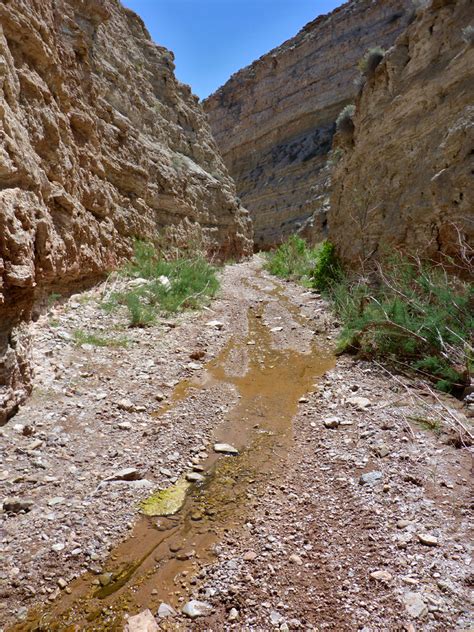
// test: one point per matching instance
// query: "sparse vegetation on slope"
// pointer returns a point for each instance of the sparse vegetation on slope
(158, 284)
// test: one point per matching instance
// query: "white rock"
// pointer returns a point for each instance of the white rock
(143, 622)
(165, 611)
(233, 615)
(194, 609)
(165, 282)
(194, 477)
(359, 402)
(427, 540)
(216, 324)
(225, 448)
(414, 605)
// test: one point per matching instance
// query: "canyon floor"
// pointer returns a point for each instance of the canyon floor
(347, 507)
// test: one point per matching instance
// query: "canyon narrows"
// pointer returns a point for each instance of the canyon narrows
(197, 436)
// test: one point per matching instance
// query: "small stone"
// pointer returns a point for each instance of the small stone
(126, 404)
(105, 579)
(216, 324)
(165, 611)
(303, 400)
(381, 576)
(57, 500)
(276, 329)
(59, 546)
(233, 615)
(370, 478)
(359, 402)
(62, 583)
(194, 609)
(249, 556)
(296, 559)
(15, 505)
(127, 474)
(403, 524)
(225, 448)
(427, 540)
(331, 422)
(194, 366)
(194, 477)
(275, 618)
(382, 450)
(143, 622)
(414, 605)
(125, 425)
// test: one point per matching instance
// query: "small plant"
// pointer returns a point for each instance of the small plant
(370, 61)
(468, 35)
(294, 260)
(345, 121)
(427, 424)
(82, 337)
(53, 298)
(168, 285)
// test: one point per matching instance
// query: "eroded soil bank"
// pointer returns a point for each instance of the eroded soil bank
(286, 535)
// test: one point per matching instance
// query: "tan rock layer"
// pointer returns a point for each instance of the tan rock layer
(100, 144)
(407, 181)
(274, 120)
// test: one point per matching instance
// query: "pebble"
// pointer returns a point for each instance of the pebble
(382, 450)
(249, 556)
(225, 448)
(143, 622)
(127, 474)
(233, 615)
(427, 540)
(216, 324)
(296, 559)
(165, 611)
(361, 403)
(331, 422)
(194, 477)
(370, 478)
(415, 605)
(194, 609)
(382, 576)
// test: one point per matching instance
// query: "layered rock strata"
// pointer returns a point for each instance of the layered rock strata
(406, 178)
(274, 120)
(100, 145)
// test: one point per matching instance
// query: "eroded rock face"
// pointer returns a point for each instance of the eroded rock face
(274, 120)
(99, 145)
(407, 178)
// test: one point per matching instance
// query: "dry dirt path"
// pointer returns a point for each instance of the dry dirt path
(342, 511)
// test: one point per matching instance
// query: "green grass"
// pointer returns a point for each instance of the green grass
(82, 337)
(414, 314)
(171, 285)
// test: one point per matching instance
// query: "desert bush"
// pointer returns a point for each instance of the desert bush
(327, 271)
(371, 60)
(468, 35)
(344, 122)
(293, 259)
(97, 340)
(168, 286)
(413, 314)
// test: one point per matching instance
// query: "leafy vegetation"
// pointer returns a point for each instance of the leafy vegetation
(162, 285)
(410, 313)
(345, 122)
(294, 260)
(82, 337)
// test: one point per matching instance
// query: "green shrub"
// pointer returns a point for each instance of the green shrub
(413, 314)
(370, 61)
(345, 122)
(168, 285)
(327, 270)
(293, 259)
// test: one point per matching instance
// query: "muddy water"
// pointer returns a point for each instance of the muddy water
(162, 557)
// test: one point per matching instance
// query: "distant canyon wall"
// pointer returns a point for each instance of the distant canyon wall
(274, 121)
(99, 145)
(406, 178)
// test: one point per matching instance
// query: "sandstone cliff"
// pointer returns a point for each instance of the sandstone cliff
(99, 145)
(274, 120)
(407, 179)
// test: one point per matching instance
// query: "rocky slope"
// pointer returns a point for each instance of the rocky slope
(99, 145)
(406, 178)
(274, 120)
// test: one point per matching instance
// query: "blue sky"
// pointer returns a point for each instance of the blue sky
(212, 39)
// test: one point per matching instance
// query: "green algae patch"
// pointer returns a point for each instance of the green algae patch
(166, 502)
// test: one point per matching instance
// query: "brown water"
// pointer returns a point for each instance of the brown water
(159, 560)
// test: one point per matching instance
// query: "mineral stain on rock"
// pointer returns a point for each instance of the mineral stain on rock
(166, 502)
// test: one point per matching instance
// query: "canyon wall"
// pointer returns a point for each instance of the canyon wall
(406, 178)
(100, 144)
(274, 121)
